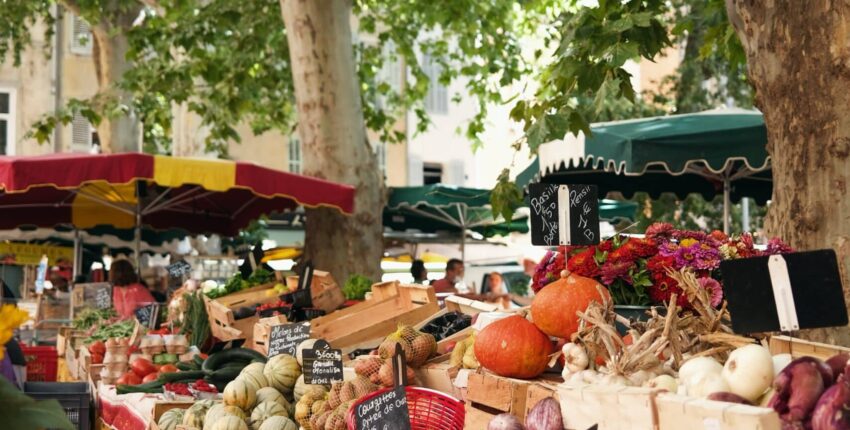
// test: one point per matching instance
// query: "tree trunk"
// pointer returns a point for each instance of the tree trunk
(333, 137)
(797, 58)
(121, 133)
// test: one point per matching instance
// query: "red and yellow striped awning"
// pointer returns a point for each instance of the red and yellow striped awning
(198, 195)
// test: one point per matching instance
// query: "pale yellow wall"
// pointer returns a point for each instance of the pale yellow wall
(652, 73)
(268, 149)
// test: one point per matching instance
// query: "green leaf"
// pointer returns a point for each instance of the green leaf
(506, 197)
(622, 52)
(22, 412)
(642, 19)
(623, 24)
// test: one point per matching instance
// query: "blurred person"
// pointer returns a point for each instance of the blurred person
(420, 274)
(14, 364)
(128, 293)
(454, 276)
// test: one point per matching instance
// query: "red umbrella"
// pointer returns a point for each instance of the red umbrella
(134, 190)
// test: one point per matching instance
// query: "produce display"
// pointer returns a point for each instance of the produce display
(89, 317)
(106, 329)
(447, 325)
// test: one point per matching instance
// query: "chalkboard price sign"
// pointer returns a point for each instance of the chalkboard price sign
(178, 269)
(387, 410)
(564, 214)
(103, 297)
(284, 338)
(322, 365)
(96, 295)
(148, 316)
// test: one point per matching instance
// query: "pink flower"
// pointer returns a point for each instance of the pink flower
(612, 270)
(777, 246)
(714, 289)
(659, 231)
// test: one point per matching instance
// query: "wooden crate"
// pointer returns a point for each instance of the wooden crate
(609, 408)
(325, 292)
(679, 412)
(161, 407)
(800, 348)
(223, 323)
(489, 392)
(262, 331)
(367, 323)
(538, 391)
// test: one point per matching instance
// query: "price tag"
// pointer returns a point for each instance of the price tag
(148, 315)
(564, 214)
(284, 338)
(179, 269)
(322, 365)
(96, 295)
(103, 297)
(387, 410)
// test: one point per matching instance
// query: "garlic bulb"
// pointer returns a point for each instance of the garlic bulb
(575, 357)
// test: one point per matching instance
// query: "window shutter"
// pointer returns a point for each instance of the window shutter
(80, 134)
(81, 38)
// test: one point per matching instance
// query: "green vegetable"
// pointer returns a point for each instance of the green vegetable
(226, 374)
(165, 359)
(186, 365)
(150, 387)
(260, 276)
(192, 375)
(195, 320)
(120, 329)
(88, 317)
(356, 287)
(219, 359)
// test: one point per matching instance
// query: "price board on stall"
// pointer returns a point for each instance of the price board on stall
(97, 295)
(179, 269)
(322, 365)
(148, 316)
(388, 410)
(564, 214)
(284, 338)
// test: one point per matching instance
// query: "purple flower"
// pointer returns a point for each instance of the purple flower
(777, 246)
(612, 270)
(714, 289)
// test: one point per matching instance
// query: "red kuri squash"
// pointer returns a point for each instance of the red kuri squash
(554, 308)
(513, 347)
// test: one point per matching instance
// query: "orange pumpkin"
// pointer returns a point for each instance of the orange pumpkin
(554, 308)
(513, 347)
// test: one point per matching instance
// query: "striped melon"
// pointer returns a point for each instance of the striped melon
(266, 410)
(241, 394)
(282, 371)
(278, 423)
(220, 410)
(194, 416)
(230, 422)
(255, 378)
(171, 418)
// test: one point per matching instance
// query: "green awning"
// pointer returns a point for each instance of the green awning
(433, 208)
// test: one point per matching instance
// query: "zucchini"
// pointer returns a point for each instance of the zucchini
(217, 360)
(150, 387)
(225, 375)
(186, 366)
(198, 361)
(193, 375)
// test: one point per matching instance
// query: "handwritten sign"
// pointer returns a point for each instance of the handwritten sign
(786, 292)
(178, 269)
(387, 410)
(148, 315)
(564, 214)
(284, 338)
(96, 295)
(322, 365)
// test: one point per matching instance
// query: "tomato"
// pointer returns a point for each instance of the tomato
(168, 368)
(142, 367)
(97, 359)
(97, 348)
(129, 378)
(150, 378)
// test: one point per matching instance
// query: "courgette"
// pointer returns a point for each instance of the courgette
(226, 374)
(187, 366)
(193, 375)
(149, 387)
(217, 360)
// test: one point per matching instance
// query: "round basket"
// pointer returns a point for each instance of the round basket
(429, 409)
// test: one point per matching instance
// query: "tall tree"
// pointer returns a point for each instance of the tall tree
(796, 62)
(232, 62)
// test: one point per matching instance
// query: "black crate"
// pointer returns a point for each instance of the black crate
(74, 397)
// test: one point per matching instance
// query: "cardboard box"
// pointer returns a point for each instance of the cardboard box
(438, 374)
(608, 407)
(800, 348)
(679, 412)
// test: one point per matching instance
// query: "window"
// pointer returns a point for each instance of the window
(81, 38)
(7, 122)
(294, 155)
(432, 173)
(81, 134)
(437, 100)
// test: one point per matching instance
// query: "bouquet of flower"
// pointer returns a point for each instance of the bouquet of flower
(635, 270)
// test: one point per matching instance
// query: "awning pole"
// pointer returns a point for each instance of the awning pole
(78, 254)
(727, 191)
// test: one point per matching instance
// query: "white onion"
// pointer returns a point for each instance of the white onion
(749, 371)
(696, 366)
(663, 382)
(703, 384)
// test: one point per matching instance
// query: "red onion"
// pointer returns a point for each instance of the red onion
(722, 396)
(832, 411)
(838, 363)
(798, 388)
(545, 415)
